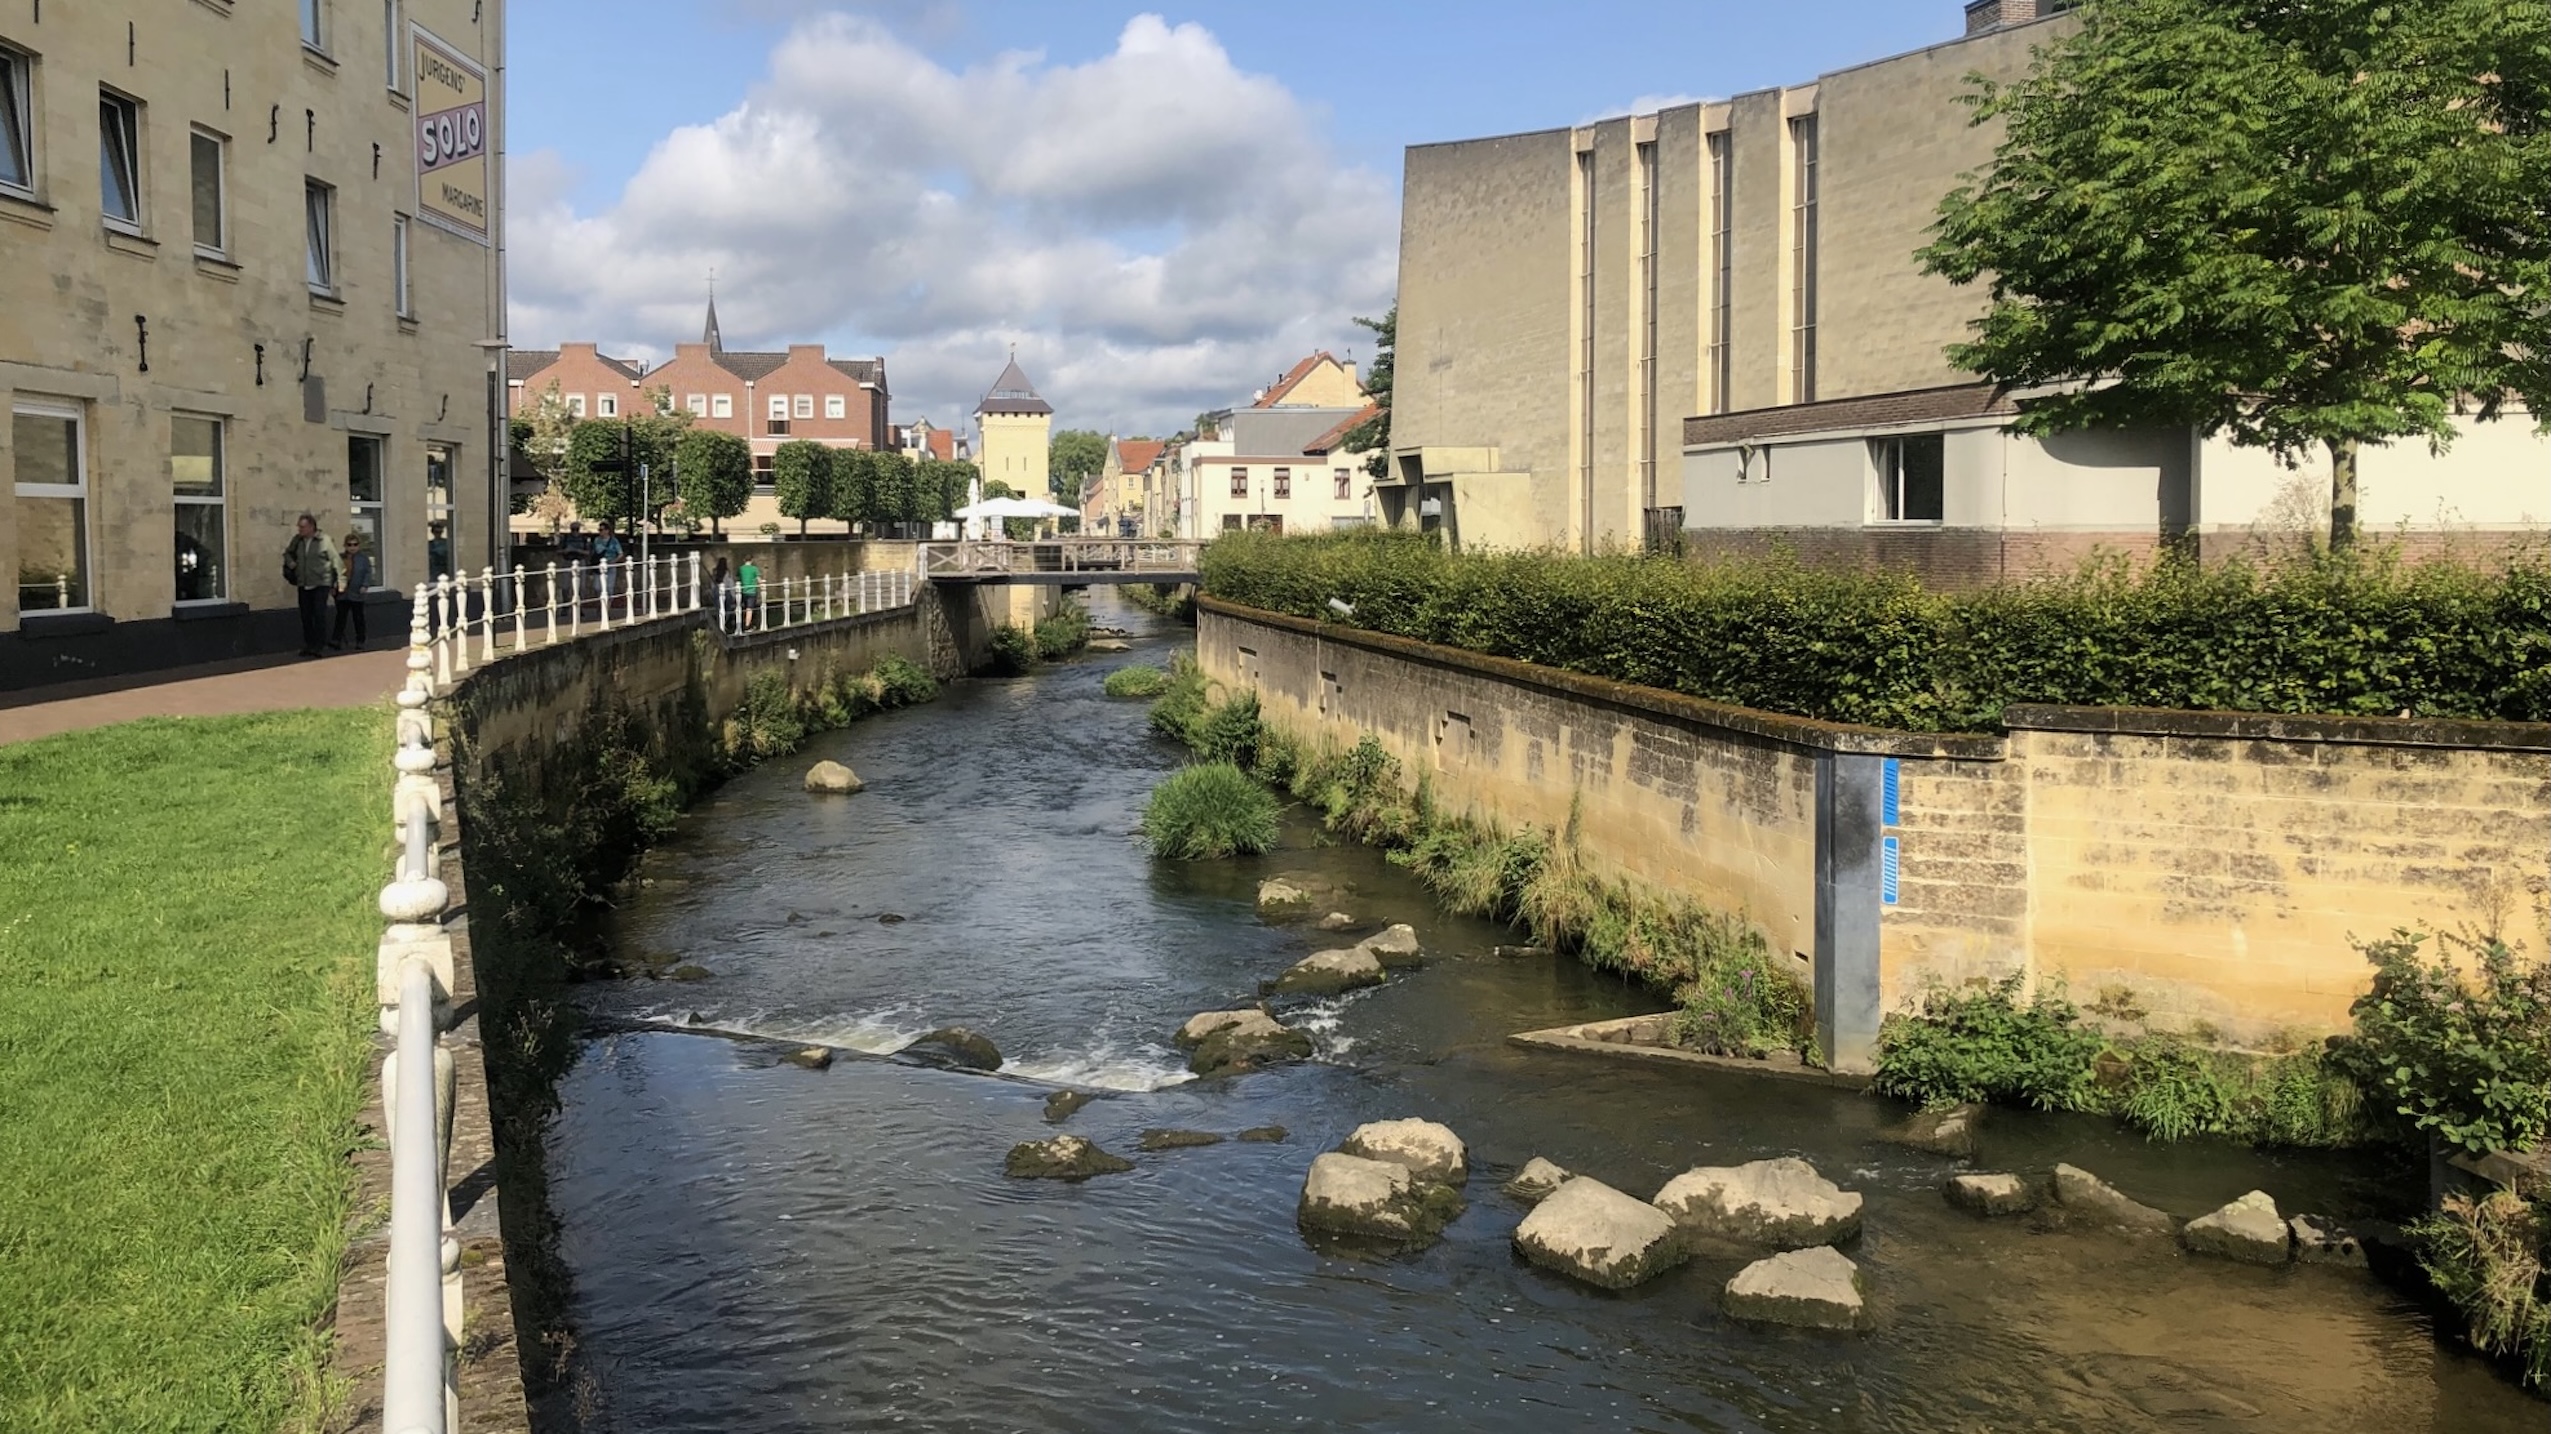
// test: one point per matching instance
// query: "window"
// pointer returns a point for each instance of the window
(53, 508)
(1239, 482)
(119, 160)
(1585, 345)
(310, 17)
(195, 472)
(1911, 473)
(1231, 522)
(1802, 238)
(1723, 268)
(779, 407)
(1345, 480)
(319, 204)
(806, 405)
(390, 40)
(576, 404)
(698, 403)
(442, 461)
(210, 206)
(607, 404)
(1284, 482)
(1649, 216)
(835, 406)
(17, 124)
(363, 486)
(398, 266)
(722, 406)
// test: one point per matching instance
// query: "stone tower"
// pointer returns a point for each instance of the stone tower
(1017, 427)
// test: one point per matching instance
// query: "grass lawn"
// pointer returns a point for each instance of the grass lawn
(186, 934)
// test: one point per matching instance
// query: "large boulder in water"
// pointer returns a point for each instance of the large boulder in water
(1995, 1194)
(955, 1048)
(2086, 1196)
(832, 778)
(1589, 1231)
(1062, 1157)
(1537, 1181)
(1430, 1151)
(1949, 1131)
(1250, 1040)
(2249, 1230)
(1395, 945)
(1350, 1195)
(1816, 1288)
(1278, 896)
(1328, 973)
(1783, 1203)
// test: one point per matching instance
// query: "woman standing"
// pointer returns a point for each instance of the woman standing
(354, 578)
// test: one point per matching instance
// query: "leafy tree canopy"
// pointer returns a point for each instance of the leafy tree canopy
(2295, 223)
(717, 473)
(1373, 435)
(1074, 455)
(802, 479)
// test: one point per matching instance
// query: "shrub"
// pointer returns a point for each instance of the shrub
(1742, 1003)
(1985, 1044)
(767, 723)
(2464, 1056)
(2490, 1256)
(903, 682)
(1143, 682)
(2352, 633)
(1209, 810)
(1183, 703)
(1063, 634)
(1228, 731)
(1013, 650)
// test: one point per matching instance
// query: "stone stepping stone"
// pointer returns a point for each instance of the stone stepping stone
(1998, 1194)
(1783, 1203)
(2248, 1230)
(1589, 1231)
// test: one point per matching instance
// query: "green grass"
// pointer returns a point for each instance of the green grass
(1137, 682)
(186, 933)
(1209, 810)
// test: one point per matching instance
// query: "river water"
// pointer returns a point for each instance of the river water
(758, 1246)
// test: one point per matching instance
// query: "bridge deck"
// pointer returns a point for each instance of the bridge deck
(1062, 562)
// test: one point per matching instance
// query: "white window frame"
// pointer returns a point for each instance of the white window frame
(18, 133)
(132, 137)
(1886, 462)
(698, 403)
(319, 236)
(220, 499)
(836, 406)
(78, 415)
(391, 29)
(378, 507)
(446, 511)
(779, 408)
(400, 274)
(219, 247)
(1239, 482)
(804, 406)
(576, 404)
(1344, 481)
(722, 406)
(606, 405)
(314, 26)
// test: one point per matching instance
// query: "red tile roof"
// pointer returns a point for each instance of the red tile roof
(1294, 376)
(1329, 441)
(1136, 455)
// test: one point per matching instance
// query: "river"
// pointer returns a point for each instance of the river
(758, 1246)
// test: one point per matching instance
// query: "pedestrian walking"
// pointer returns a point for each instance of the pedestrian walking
(354, 579)
(748, 581)
(311, 570)
(577, 548)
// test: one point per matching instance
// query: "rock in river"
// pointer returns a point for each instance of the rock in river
(814, 1058)
(1248, 1040)
(1263, 1135)
(1336, 921)
(1949, 1132)
(1327, 973)
(1783, 1203)
(1394, 946)
(2249, 1230)
(1277, 895)
(1589, 1231)
(1350, 1195)
(1991, 1194)
(1061, 1157)
(1430, 1151)
(1536, 1181)
(1176, 1139)
(1816, 1288)
(832, 778)
(955, 1048)
(2084, 1194)
(1061, 1104)
(2320, 1240)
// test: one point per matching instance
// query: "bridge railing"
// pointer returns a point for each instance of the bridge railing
(814, 597)
(999, 557)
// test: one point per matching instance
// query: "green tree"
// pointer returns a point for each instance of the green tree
(1071, 458)
(1372, 437)
(949, 482)
(545, 431)
(854, 496)
(802, 477)
(2295, 223)
(717, 473)
(894, 484)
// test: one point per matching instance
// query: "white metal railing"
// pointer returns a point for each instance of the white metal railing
(773, 604)
(978, 557)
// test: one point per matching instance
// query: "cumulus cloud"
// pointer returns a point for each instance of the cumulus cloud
(1157, 230)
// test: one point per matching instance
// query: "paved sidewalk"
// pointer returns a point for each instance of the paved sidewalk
(347, 680)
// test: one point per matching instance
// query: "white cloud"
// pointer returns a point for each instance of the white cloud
(1159, 231)
(1646, 105)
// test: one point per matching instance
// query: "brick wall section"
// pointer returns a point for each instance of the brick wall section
(1963, 904)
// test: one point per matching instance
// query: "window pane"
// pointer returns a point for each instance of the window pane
(834, 407)
(120, 192)
(207, 152)
(441, 460)
(200, 577)
(806, 405)
(363, 470)
(310, 21)
(317, 196)
(1924, 478)
(725, 406)
(16, 166)
(390, 29)
(53, 553)
(398, 264)
(367, 523)
(48, 448)
(194, 456)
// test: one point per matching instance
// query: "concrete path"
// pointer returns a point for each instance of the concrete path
(219, 690)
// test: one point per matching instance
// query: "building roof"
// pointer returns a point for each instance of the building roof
(708, 331)
(1292, 377)
(1276, 434)
(1133, 455)
(522, 364)
(1012, 393)
(1330, 441)
(1878, 410)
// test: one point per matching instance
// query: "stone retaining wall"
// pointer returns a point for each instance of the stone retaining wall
(2215, 867)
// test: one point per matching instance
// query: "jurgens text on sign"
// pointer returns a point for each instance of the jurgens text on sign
(453, 173)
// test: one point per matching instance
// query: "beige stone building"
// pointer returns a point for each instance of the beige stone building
(1709, 321)
(1017, 433)
(250, 266)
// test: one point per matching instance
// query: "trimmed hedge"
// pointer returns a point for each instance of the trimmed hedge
(2361, 634)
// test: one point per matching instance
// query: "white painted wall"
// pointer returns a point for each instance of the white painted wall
(2495, 476)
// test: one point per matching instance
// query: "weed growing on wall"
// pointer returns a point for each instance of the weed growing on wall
(2490, 1257)
(2363, 633)
(2462, 1050)
(1170, 600)
(1208, 811)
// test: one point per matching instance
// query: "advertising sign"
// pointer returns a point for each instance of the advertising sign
(455, 189)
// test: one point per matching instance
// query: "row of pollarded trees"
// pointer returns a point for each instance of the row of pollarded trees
(862, 485)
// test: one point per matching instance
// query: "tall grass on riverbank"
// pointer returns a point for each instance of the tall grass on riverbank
(2364, 633)
(2490, 1257)
(186, 928)
(1136, 682)
(1209, 811)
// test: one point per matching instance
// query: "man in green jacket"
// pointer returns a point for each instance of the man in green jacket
(311, 567)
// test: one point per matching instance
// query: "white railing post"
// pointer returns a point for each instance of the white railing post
(695, 580)
(420, 634)
(518, 607)
(602, 622)
(720, 595)
(487, 615)
(551, 592)
(443, 630)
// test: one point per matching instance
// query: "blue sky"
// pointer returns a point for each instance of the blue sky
(1161, 212)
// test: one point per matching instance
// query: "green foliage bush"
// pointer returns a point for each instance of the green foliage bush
(2490, 1257)
(1183, 703)
(1209, 810)
(2361, 633)
(1013, 650)
(766, 724)
(802, 479)
(717, 473)
(1063, 634)
(2463, 1054)
(1143, 682)
(1986, 1044)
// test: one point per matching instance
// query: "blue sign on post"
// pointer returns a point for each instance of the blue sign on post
(1888, 857)
(1889, 785)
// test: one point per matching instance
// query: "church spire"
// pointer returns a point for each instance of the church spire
(709, 333)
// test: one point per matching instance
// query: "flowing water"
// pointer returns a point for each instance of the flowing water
(758, 1246)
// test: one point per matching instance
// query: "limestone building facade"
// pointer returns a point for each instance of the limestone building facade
(251, 265)
(1708, 323)
(1017, 432)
